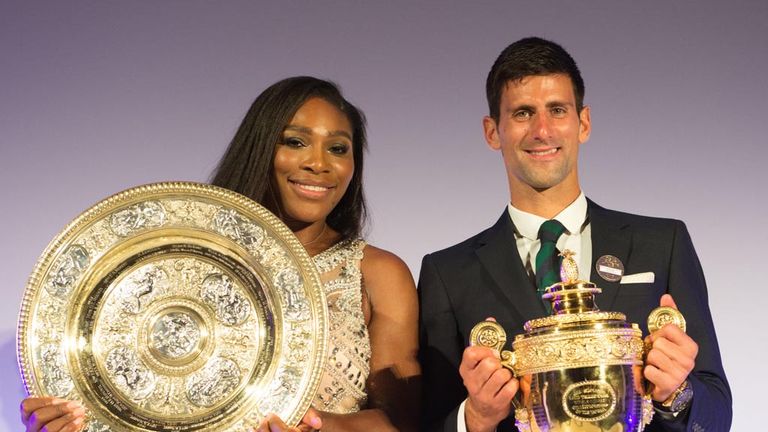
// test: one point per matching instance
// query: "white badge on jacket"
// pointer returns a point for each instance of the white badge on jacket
(646, 277)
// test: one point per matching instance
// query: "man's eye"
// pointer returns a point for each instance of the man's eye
(559, 111)
(522, 115)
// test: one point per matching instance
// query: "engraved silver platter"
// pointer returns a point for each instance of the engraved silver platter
(175, 306)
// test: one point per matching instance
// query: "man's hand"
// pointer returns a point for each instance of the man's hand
(311, 422)
(671, 358)
(51, 415)
(491, 388)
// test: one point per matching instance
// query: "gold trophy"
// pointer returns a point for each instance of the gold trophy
(580, 369)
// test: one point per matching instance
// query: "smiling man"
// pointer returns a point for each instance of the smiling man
(538, 121)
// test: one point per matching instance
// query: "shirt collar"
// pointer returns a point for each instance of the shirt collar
(572, 217)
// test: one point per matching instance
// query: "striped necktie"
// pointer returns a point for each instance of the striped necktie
(547, 260)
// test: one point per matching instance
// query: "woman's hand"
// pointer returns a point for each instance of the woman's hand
(311, 422)
(51, 414)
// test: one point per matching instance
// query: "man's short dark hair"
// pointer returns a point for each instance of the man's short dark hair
(527, 57)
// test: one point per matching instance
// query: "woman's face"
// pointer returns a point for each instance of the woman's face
(313, 163)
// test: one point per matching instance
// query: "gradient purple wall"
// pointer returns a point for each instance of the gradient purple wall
(96, 97)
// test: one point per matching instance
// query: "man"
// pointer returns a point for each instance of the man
(538, 121)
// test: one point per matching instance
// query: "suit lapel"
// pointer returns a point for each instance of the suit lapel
(498, 253)
(609, 237)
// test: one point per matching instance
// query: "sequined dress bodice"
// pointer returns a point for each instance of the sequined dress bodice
(342, 386)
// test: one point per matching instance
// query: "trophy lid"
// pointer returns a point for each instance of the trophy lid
(573, 299)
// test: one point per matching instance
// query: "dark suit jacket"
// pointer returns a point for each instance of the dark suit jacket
(484, 276)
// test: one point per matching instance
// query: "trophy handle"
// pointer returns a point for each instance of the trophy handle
(657, 319)
(492, 335)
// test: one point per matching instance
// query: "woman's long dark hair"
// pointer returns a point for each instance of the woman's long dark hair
(248, 164)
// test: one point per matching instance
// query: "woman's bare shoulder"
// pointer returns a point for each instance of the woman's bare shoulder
(382, 261)
(382, 268)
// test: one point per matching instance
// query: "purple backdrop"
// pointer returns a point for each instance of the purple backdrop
(96, 97)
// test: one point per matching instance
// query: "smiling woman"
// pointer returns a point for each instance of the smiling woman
(313, 164)
(299, 152)
(294, 114)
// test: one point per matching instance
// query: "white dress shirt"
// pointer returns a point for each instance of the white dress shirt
(577, 238)
(577, 235)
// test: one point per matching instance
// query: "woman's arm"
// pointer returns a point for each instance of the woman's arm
(394, 383)
(393, 386)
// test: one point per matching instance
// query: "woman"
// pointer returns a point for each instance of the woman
(299, 152)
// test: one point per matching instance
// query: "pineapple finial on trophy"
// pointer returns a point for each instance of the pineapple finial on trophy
(569, 270)
(571, 295)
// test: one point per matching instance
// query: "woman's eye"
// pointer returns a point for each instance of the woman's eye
(339, 149)
(293, 142)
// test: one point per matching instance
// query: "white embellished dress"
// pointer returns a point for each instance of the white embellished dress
(342, 385)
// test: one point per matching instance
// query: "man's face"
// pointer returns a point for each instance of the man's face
(539, 132)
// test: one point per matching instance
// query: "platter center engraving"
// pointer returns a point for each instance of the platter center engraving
(176, 335)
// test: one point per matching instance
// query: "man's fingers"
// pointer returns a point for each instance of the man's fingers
(681, 352)
(666, 351)
(675, 343)
(475, 354)
(496, 382)
(508, 390)
(659, 360)
(673, 333)
(491, 402)
(475, 378)
(656, 358)
(666, 367)
(471, 360)
(664, 384)
(667, 300)
(657, 376)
